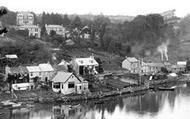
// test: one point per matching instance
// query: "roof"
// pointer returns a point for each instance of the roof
(12, 56)
(33, 68)
(181, 62)
(131, 59)
(24, 12)
(63, 62)
(86, 61)
(155, 64)
(29, 26)
(46, 67)
(17, 70)
(62, 77)
(54, 26)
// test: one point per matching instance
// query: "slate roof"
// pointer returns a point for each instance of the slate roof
(62, 77)
(33, 68)
(86, 61)
(132, 59)
(46, 67)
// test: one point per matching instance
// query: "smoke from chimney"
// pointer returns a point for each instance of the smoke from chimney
(163, 49)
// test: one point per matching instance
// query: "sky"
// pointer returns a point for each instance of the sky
(106, 7)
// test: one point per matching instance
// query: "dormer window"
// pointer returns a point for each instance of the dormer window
(81, 61)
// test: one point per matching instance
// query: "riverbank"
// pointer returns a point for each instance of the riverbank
(44, 96)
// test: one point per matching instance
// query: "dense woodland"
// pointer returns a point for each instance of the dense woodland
(130, 38)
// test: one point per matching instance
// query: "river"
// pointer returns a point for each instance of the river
(152, 105)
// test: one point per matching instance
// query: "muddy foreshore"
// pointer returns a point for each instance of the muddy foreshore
(43, 96)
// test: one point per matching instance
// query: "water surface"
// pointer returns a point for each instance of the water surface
(153, 105)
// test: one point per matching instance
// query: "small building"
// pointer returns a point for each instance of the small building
(155, 67)
(18, 77)
(63, 66)
(34, 72)
(182, 63)
(47, 72)
(44, 72)
(178, 68)
(60, 30)
(84, 66)
(144, 68)
(11, 56)
(68, 83)
(33, 30)
(131, 64)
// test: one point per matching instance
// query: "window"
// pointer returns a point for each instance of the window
(40, 73)
(80, 87)
(91, 61)
(31, 74)
(71, 85)
(81, 61)
(56, 85)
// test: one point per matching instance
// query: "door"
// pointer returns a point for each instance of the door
(81, 70)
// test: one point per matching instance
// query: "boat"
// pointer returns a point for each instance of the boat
(167, 88)
(30, 105)
(11, 104)
(74, 106)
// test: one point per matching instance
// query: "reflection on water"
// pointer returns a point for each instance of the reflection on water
(153, 105)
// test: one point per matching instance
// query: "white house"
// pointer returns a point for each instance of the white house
(47, 72)
(25, 18)
(84, 66)
(60, 30)
(34, 30)
(44, 71)
(34, 72)
(131, 64)
(68, 83)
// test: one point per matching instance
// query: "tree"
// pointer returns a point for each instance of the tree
(3, 11)
(52, 33)
(98, 28)
(188, 65)
(43, 30)
(9, 18)
(164, 70)
(66, 20)
(76, 22)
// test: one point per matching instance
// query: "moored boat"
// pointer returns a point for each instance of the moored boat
(167, 88)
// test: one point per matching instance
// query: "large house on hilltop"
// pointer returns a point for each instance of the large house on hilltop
(25, 18)
(33, 30)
